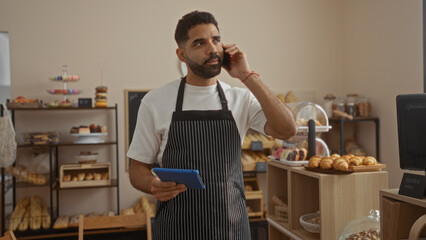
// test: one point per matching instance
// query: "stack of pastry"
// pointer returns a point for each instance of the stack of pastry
(29, 212)
(85, 176)
(340, 163)
(101, 96)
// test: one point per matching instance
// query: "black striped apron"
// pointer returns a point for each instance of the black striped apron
(208, 141)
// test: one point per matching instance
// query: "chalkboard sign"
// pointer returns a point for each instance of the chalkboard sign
(132, 101)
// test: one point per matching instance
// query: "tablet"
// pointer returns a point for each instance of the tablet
(189, 177)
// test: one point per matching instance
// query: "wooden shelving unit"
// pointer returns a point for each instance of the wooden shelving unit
(398, 214)
(339, 198)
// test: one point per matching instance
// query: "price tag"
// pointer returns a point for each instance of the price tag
(413, 185)
(256, 146)
(85, 102)
(261, 166)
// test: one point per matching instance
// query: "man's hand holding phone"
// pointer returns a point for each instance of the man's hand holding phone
(238, 65)
(164, 191)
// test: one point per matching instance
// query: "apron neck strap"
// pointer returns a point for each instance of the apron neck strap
(181, 90)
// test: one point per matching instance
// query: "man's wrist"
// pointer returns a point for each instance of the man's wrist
(250, 74)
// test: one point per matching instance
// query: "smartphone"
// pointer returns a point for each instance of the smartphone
(226, 60)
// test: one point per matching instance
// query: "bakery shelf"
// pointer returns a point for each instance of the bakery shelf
(308, 192)
(54, 156)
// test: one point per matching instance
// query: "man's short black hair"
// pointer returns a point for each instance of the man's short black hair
(189, 21)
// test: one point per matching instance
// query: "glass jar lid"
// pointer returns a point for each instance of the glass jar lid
(366, 226)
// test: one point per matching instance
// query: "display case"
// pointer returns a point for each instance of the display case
(308, 192)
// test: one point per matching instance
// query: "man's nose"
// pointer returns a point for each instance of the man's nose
(212, 48)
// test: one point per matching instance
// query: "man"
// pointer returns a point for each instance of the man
(198, 123)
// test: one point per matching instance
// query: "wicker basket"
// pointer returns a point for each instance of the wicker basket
(310, 227)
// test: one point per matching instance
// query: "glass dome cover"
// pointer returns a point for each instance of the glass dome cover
(305, 111)
(366, 227)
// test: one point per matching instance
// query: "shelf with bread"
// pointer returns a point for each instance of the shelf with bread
(102, 174)
(294, 192)
(30, 219)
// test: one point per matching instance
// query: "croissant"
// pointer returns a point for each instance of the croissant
(326, 163)
(340, 164)
(355, 161)
(369, 161)
(335, 156)
(314, 161)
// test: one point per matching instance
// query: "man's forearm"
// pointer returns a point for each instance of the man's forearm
(141, 176)
(280, 119)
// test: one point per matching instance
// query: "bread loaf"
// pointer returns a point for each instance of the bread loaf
(35, 222)
(45, 218)
(23, 226)
(61, 222)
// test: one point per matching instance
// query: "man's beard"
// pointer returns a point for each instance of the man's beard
(205, 71)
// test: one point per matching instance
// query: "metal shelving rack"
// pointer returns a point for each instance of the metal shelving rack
(54, 173)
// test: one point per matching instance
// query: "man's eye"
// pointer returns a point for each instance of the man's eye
(198, 44)
(216, 40)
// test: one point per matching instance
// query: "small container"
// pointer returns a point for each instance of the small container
(367, 226)
(364, 107)
(350, 104)
(328, 104)
(338, 104)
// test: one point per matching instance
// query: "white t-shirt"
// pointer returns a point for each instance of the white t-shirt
(157, 106)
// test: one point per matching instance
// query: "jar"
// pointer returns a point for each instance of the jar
(350, 104)
(367, 226)
(364, 107)
(338, 104)
(328, 104)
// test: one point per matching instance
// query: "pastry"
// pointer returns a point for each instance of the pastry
(66, 178)
(89, 176)
(74, 179)
(326, 163)
(340, 164)
(84, 130)
(303, 154)
(96, 176)
(285, 153)
(101, 89)
(369, 161)
(104, 176)
(61, 222)
(335, 156)
(314, 161)
(127, 211)
(100, 104)
(74, 221)
(81, 176)
(35, 210)
(294, 155)
(355, 161)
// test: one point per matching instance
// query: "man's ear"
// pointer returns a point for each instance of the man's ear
(181, 54)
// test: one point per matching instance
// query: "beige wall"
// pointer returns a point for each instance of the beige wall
(383, 58)
(301, 45)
